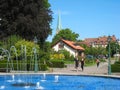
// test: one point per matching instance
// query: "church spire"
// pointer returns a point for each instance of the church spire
(59, 26)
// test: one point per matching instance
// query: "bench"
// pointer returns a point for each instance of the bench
(4, 70)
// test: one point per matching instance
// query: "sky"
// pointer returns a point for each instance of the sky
(88, 18)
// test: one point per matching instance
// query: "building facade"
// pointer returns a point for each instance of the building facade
(99, 42)
(69, 46)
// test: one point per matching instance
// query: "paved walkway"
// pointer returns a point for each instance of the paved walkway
(70, 69)
(102, 69)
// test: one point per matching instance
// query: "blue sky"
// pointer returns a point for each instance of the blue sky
(88, 18)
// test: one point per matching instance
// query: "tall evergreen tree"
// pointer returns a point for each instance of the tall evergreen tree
(26, 18)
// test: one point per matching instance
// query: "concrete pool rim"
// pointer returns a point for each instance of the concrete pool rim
(66, 74)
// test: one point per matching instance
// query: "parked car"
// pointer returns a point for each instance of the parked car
(90, 57)
(101, 56)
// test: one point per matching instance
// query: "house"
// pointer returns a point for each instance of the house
(70, 46)
(99, 42)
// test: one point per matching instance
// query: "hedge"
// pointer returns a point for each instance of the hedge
(23, 66)
(115, 67)
(56, 63)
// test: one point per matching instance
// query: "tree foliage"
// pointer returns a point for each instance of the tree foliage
(26, 18)
(114, 48)
(45, 51)
(65, 34)
(95, 51)
(9, 41)
(29, 47)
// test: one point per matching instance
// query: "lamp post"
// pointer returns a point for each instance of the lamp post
(35, 55)
(0, 21)
(109, 62)
(117, 49)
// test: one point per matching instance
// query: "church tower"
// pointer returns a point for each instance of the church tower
(59, 26)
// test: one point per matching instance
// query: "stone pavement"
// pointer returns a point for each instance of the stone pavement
(102, 69)
(70, 69)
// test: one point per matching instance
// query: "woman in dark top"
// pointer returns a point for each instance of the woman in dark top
(82, 64)
(76, 63)
(97, 62)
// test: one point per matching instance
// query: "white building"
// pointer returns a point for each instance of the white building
(70, 46)
(100, 41)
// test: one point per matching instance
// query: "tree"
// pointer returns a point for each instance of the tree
(10, 41)
(26, 18)
(95, 51)
(65, 34)
(45, 51)
(113, 47)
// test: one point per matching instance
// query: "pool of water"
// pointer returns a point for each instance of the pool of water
(57, 82)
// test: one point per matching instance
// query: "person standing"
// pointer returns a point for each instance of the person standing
(97, 62)
(76, 63)
(82, 64)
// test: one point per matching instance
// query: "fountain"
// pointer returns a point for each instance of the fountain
(35, 59)
(25, 81)
(66, 82)
(38, 87)
(12, 51)
(2, 87)
(56, 78)
(6, 53)
(23, 65)
(44, 77)
(12, 80)
(13, 77)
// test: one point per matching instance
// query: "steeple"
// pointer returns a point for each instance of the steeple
(59, 26)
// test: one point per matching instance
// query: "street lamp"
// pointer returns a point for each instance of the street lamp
(109, 66)
(117, 48)
(0, 21)
(35, 55)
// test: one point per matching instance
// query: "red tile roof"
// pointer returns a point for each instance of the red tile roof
(72, 44)
(99, 40)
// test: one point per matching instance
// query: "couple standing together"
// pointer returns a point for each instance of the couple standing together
(77, 63)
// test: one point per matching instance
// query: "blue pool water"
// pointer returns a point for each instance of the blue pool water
(57, 82)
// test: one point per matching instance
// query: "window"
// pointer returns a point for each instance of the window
(61, 45)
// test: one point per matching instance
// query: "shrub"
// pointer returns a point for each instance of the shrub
(3, 64)
(43, 67)
(56, 63)
(22, 65)
(29, 47)
(57, 56)
(117, 62)
(115, 67)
